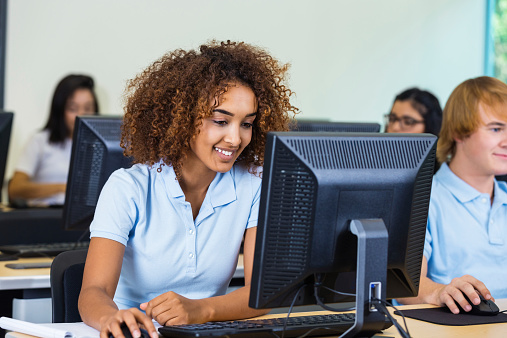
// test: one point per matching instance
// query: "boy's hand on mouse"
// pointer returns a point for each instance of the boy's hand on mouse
(171, 308)
(132, 318)
(453, 293)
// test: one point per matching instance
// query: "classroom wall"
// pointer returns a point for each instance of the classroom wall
(349, 57)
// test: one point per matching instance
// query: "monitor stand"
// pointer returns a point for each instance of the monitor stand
(371, 275)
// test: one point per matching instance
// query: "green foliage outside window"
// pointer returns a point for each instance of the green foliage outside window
(500, 39)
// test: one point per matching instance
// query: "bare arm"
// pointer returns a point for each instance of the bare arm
(441, 294)
(171, 308)
(21, 186)
(100, 279)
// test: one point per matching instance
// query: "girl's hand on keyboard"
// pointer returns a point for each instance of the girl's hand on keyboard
(132, 318)
(171, 308)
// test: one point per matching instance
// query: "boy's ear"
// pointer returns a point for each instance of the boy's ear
(457, 140)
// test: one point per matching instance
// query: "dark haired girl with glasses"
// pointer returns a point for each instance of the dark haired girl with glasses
(414, 111)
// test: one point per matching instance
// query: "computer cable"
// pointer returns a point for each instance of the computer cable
(290, 309)
(318, 285)
(381, 305)
(378, 303)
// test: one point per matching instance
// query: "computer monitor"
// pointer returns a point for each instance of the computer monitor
(5, 136)
(343, 127)
(346, 211)
(96, 153)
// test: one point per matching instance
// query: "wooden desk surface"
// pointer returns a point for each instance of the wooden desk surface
(15, 279)
(417, 328)
(240, 271)
(420, 328)
(39, 278)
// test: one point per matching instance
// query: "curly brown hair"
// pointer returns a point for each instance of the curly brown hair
(166, 103)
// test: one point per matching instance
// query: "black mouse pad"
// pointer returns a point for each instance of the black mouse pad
(442, 316)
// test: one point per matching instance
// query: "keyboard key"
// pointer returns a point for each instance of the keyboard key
(314, 325)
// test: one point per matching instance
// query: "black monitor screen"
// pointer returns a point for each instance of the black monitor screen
(318, 191)
(5, 135)
(96, 153)
(342, 127)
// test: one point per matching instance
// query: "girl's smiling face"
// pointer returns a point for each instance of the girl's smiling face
(223, 136)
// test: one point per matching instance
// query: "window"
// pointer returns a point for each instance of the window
(496, 39)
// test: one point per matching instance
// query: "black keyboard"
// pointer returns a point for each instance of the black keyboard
(315, 325)
(42, 249)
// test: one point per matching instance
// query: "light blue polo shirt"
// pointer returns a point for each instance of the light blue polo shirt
(166, 250)
(466, 234)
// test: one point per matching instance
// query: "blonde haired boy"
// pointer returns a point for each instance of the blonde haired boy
(466, 239)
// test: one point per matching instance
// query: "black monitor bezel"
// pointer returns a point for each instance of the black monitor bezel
(82, 124)
(6, 120)
(306, 298)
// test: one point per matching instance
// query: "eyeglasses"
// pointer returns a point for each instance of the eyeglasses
(406, 122)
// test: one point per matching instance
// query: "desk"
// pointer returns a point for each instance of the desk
(12, 279)
(23, 279)
(22, 290)
(240, 271)
(34, 284)
(417, 328)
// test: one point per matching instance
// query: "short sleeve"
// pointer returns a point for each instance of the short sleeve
(254, 210)
(117, 208)
(30, 157)
(428, 249)
(432, 219)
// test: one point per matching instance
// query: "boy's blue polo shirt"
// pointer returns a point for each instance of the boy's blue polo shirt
(466, 234)
(166, 250)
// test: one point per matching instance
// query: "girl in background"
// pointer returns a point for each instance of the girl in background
(41, 174)
(414, 111)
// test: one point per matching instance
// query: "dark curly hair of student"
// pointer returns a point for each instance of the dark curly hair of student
(166, 103)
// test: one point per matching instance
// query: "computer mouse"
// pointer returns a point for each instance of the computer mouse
(485, 307)
(126, 332)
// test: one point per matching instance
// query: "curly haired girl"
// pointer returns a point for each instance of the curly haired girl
(167, 232)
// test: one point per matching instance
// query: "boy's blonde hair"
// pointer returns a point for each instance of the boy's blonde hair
(461, 113)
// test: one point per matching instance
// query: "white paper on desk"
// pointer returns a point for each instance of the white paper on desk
(37, 330)
(79, 330)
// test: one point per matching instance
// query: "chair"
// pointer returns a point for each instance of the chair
(66, 278)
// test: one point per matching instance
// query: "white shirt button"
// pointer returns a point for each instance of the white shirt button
(484, 200)
(191, 231)
(191, 255)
